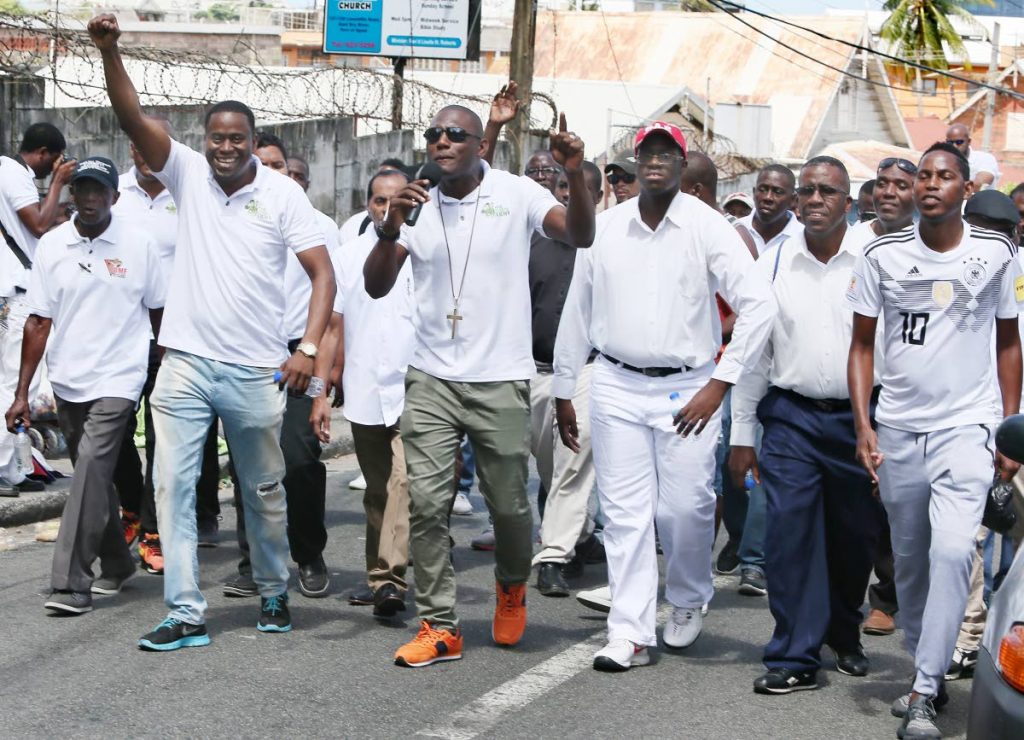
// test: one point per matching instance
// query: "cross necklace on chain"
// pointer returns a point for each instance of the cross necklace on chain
(455, 317)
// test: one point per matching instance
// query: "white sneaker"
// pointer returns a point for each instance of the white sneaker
(358, 484)
(462, 507)
(683, 627)
(598, 599)
(704, 610)
(620, 655)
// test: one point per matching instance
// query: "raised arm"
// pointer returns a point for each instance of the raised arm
(573, 224)
(387, 256)
(148, 136)
(39, 216)
(503, 109)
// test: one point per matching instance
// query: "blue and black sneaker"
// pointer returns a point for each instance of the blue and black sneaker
(274, 616)
(172, 634)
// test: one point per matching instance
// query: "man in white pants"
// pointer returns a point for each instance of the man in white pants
(939, 287)
(644, 297)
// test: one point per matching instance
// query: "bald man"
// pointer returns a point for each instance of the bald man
(984, 168)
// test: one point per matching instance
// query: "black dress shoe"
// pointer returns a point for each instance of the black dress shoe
(785, 681)
(362, 596)
(574, 568)
(550, 581)
(314, 580)
(852, 662)
(592, 551)
(387, 601)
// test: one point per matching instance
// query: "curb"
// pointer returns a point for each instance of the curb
(30, 508)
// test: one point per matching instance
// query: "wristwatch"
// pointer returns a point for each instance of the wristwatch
(381, 234)
(306, 348)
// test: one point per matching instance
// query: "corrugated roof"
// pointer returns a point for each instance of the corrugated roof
(704, 51)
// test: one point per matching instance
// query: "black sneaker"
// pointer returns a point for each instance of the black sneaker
(69, 602)
(361, 596)
(274, 616)
(752, 582)
(172, 634)
(207, 533)
(591, 550)
(314, 580)
(962, 665)
(785, 681)
(919, 721)
(550, 581)
(728, 559)
(852, 662)
(387, 601)
(110, 585)
(240, 586)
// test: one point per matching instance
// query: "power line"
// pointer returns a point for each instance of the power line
(725, 5)
(618, 69)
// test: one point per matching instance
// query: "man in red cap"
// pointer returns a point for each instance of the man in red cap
(643, 297)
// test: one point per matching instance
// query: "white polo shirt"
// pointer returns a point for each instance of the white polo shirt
(647, 297)
(157, 216)
(298, 288)
(379, 338)
(792, 228)
(17, 190)
(493, 341)
(98, 293)
(226, 295)
(350, 229)
(984, 162)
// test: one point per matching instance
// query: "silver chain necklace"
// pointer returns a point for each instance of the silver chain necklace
(455, 317)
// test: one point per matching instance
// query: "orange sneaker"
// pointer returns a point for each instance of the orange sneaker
(131, 526)
(151, 555)
(429, 646)
(509, 614)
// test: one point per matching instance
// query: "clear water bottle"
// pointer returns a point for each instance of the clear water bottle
(23, 450)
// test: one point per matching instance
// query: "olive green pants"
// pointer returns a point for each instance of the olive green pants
(496, 418)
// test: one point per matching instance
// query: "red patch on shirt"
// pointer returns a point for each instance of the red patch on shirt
(115, 268)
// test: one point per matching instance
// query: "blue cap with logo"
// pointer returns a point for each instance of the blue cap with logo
(97, 168)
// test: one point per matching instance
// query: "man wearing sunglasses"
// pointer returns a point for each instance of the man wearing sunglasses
(984, 167)
(941, 290)
(821, 517)
(470, 370)
(621, 174)
(542, 169)
(772, 221)
(643, 297)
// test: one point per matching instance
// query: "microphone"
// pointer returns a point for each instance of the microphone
(431, 172)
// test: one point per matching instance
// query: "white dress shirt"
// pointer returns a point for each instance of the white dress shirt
(379, 338)
(792, 228)
(647, 297)
(810, 338)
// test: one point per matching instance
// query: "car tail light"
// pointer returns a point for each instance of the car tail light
(1011, 657)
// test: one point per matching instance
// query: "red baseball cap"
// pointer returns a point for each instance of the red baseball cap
(667, 128)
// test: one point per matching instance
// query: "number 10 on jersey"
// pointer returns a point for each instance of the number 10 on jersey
(914, 325)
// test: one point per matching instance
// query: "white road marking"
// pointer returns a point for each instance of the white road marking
(483, 713)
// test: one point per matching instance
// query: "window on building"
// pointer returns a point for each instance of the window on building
(927, 86)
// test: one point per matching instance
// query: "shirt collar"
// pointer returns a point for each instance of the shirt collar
(850, 245)
(676, 212)
(258, 182)
(486, 188)
(109, 235)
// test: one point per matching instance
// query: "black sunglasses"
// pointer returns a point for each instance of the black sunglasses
(958, 142)
(455, 134)
(827, 191)
(904, 164)
(615, 178)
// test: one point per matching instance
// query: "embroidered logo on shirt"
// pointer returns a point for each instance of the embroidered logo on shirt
(851, 292)
(942, 293)
(914, 272)
(116, 268)
(494, 210)
(257, 211)
(1018, 288)
(171, 208)
(974, 272)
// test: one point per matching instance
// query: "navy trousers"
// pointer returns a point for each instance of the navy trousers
(822, 522)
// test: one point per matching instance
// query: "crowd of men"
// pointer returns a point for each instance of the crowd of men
(821, 378)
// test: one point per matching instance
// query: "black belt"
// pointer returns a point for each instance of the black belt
(650, 372)
(828, 405)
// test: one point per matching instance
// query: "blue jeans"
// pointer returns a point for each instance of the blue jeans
(743, 512)
(189, 391)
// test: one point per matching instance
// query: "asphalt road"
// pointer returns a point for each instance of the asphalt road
(333, 677)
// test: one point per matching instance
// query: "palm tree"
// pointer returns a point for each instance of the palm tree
(920, 31)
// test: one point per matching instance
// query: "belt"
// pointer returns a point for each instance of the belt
(18, 290)
(650, 372)
(828, 405)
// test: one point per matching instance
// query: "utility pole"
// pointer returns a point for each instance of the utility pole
(993, 77)
(524, 31)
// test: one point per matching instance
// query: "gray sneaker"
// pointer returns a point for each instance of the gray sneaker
(919, 721)
(69, 602)
(899, 707)
(241, 585)
(484, 540)
(110, 585)
(752, 582)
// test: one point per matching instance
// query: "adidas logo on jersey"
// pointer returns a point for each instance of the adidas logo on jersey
(914, 272)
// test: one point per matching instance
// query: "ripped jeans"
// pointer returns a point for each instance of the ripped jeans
(189, 391)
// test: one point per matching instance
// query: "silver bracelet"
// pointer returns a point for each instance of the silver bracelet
(315, 388)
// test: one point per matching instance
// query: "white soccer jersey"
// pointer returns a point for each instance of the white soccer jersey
(938, 311)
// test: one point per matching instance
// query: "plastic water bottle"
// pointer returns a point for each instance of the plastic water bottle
(748, 481)
(23, 450)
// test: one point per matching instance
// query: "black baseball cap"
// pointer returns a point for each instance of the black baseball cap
(625, 161)
(992, 205)
(97, 168)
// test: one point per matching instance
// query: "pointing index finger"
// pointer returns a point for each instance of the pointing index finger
(562, 125)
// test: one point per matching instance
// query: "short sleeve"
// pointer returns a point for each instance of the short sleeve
(156, 281)
(864, 293)
(1011, 291)
(39, 296)
(17, 186)
(176, 169)
(539, 202)
(299, 227)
